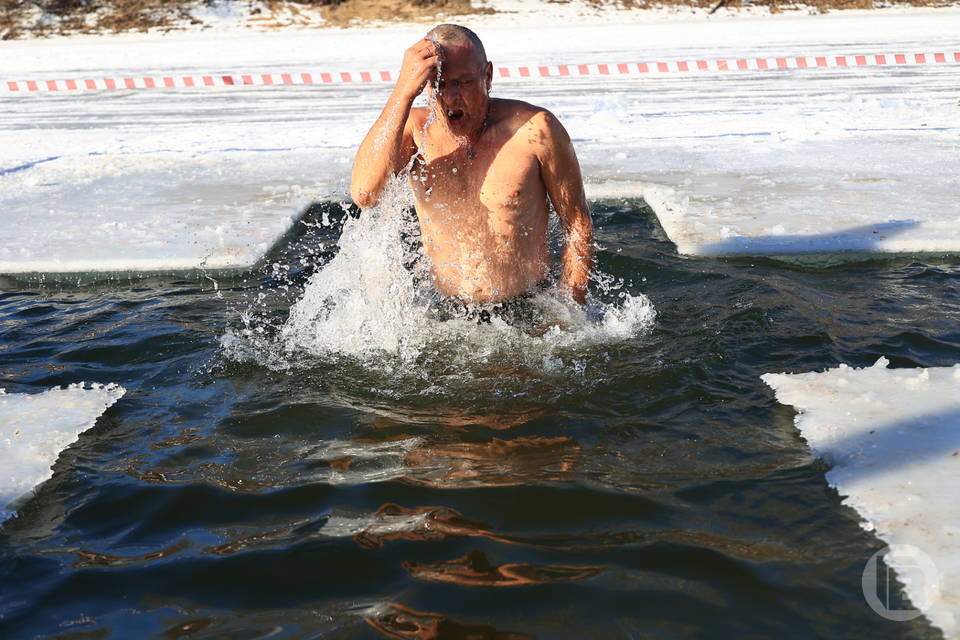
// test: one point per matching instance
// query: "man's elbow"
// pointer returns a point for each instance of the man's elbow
(362, 197)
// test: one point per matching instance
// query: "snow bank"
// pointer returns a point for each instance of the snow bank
(849, 194)
(148, 212)
(35, 428)
(892, 437)
(747, 163)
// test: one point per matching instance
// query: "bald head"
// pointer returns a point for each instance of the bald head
(453, 35)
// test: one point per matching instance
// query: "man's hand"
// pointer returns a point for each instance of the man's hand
(388, 146)
(419, 67)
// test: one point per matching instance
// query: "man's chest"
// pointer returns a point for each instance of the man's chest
(500, 178)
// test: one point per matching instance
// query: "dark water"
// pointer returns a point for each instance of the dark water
(661, 492)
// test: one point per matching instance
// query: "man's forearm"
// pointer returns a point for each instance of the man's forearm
(381, 154)
(384, 152)
(577, 258)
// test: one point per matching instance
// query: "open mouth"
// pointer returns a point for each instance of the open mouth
(454, 115)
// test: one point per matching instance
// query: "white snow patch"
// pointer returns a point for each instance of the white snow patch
(223, 13)
(832, 196)
(160, 212)
(35, 428)
(752, 163)
(893, 439)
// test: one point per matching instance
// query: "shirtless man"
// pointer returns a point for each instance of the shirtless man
(482, 171)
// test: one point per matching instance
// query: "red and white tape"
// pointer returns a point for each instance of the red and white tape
(22, 87)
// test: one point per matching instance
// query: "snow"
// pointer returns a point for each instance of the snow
(35, 428)
(133, 214)
(588, 36)
(872, 175)
(892, 437)
(765, 162)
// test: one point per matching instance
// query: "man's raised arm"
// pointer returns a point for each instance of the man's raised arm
(560, 172)
(388, 145)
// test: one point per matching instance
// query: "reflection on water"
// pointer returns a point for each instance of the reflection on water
(475, 570)
(85, 558)
(430, 523)
(497, 463)
(402, 622)
(448, 465)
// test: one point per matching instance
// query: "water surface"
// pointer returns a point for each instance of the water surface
(626, 483)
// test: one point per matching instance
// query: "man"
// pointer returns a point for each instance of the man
(482, 170)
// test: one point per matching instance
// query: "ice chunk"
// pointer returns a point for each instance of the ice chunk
(893, 438)
(35, 428)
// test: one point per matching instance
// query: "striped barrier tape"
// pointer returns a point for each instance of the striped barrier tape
(15, 87)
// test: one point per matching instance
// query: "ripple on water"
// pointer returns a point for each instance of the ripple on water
(455, 479)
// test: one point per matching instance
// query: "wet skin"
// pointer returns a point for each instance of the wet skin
(482, 171)
(483, 218)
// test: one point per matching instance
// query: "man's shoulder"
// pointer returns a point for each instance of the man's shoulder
(523, 116)
(518, 109)
(536, 123)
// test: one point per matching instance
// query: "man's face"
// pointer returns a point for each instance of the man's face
(462, 90)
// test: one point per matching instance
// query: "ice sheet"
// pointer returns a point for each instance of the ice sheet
(142, 213)
(35, 428)
(802, 161)
(892, 437)
(849, 195)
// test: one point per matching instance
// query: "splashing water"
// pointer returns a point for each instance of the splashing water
(371, 310)
(366, 318)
